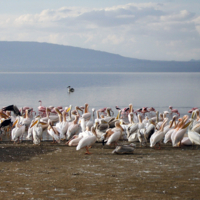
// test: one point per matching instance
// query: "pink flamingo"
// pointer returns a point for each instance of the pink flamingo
(102, 110)
(144, 111)
(125, 111)
(57, 108)
(174, 111)
(41, 109)
(152, 112)
(191, 110)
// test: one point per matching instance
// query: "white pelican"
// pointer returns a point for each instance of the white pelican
(87, 114)
(53, 118)
(132, 126)
(168, 133)
(100, 129)
(141, 134)
(193, 135)
(63, 124)
(37, 132)
(108, 117)
(26, 120)
(76, 138)
(73, 129)
(87, 141)
(115, 134)
(18, 131)
(158, 136)
(178, 135)
(186, 141)
(150, 129)
(53, 132)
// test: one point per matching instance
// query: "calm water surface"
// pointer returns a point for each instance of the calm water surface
(181, 90)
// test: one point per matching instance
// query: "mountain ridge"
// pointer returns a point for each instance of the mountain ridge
(43, 57)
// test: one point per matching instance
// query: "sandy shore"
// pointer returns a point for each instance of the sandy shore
(60, 172)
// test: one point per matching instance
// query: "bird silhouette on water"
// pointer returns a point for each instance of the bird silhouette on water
(70, 89)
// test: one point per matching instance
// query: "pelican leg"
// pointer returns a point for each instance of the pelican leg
(192, 146)
(54, 142)
(158, 147)
(179, 144)
(87, 151)
(71, 139)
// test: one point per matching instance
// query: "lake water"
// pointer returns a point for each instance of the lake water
(159, 90)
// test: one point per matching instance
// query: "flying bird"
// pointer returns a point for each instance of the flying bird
(13, 108)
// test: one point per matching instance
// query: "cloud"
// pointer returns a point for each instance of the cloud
(130, 30)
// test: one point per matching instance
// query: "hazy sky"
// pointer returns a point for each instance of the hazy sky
(155, 30)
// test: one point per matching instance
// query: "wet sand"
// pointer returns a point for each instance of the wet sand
(60, 172)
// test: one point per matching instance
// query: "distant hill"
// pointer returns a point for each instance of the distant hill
(43, 57)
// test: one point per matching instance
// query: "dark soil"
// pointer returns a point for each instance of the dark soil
(60, 172)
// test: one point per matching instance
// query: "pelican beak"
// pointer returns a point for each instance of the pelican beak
(118, 115)
(186, 125)
(121, 128)
(15, 123)
(34, 123)
(43, 123)
(79, 109)
(193, 114)
(68, 109)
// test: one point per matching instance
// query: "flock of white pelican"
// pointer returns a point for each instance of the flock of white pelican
(81, 128)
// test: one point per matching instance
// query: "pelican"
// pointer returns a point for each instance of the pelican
(194, 137)
(116, 134)
(63, 124)
(76, 138)
(53, 118)
(193, 134)
(168, 133)
(178, 135)
(87, 114)
(141, 134)
(87, 141)
(18, 131)
(73, 129)
(37, 133)
(27, 120)
(38, 123)
(157, 137)
(186, 141)
(53, 132)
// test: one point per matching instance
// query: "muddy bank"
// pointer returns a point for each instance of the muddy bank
(60, 172)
